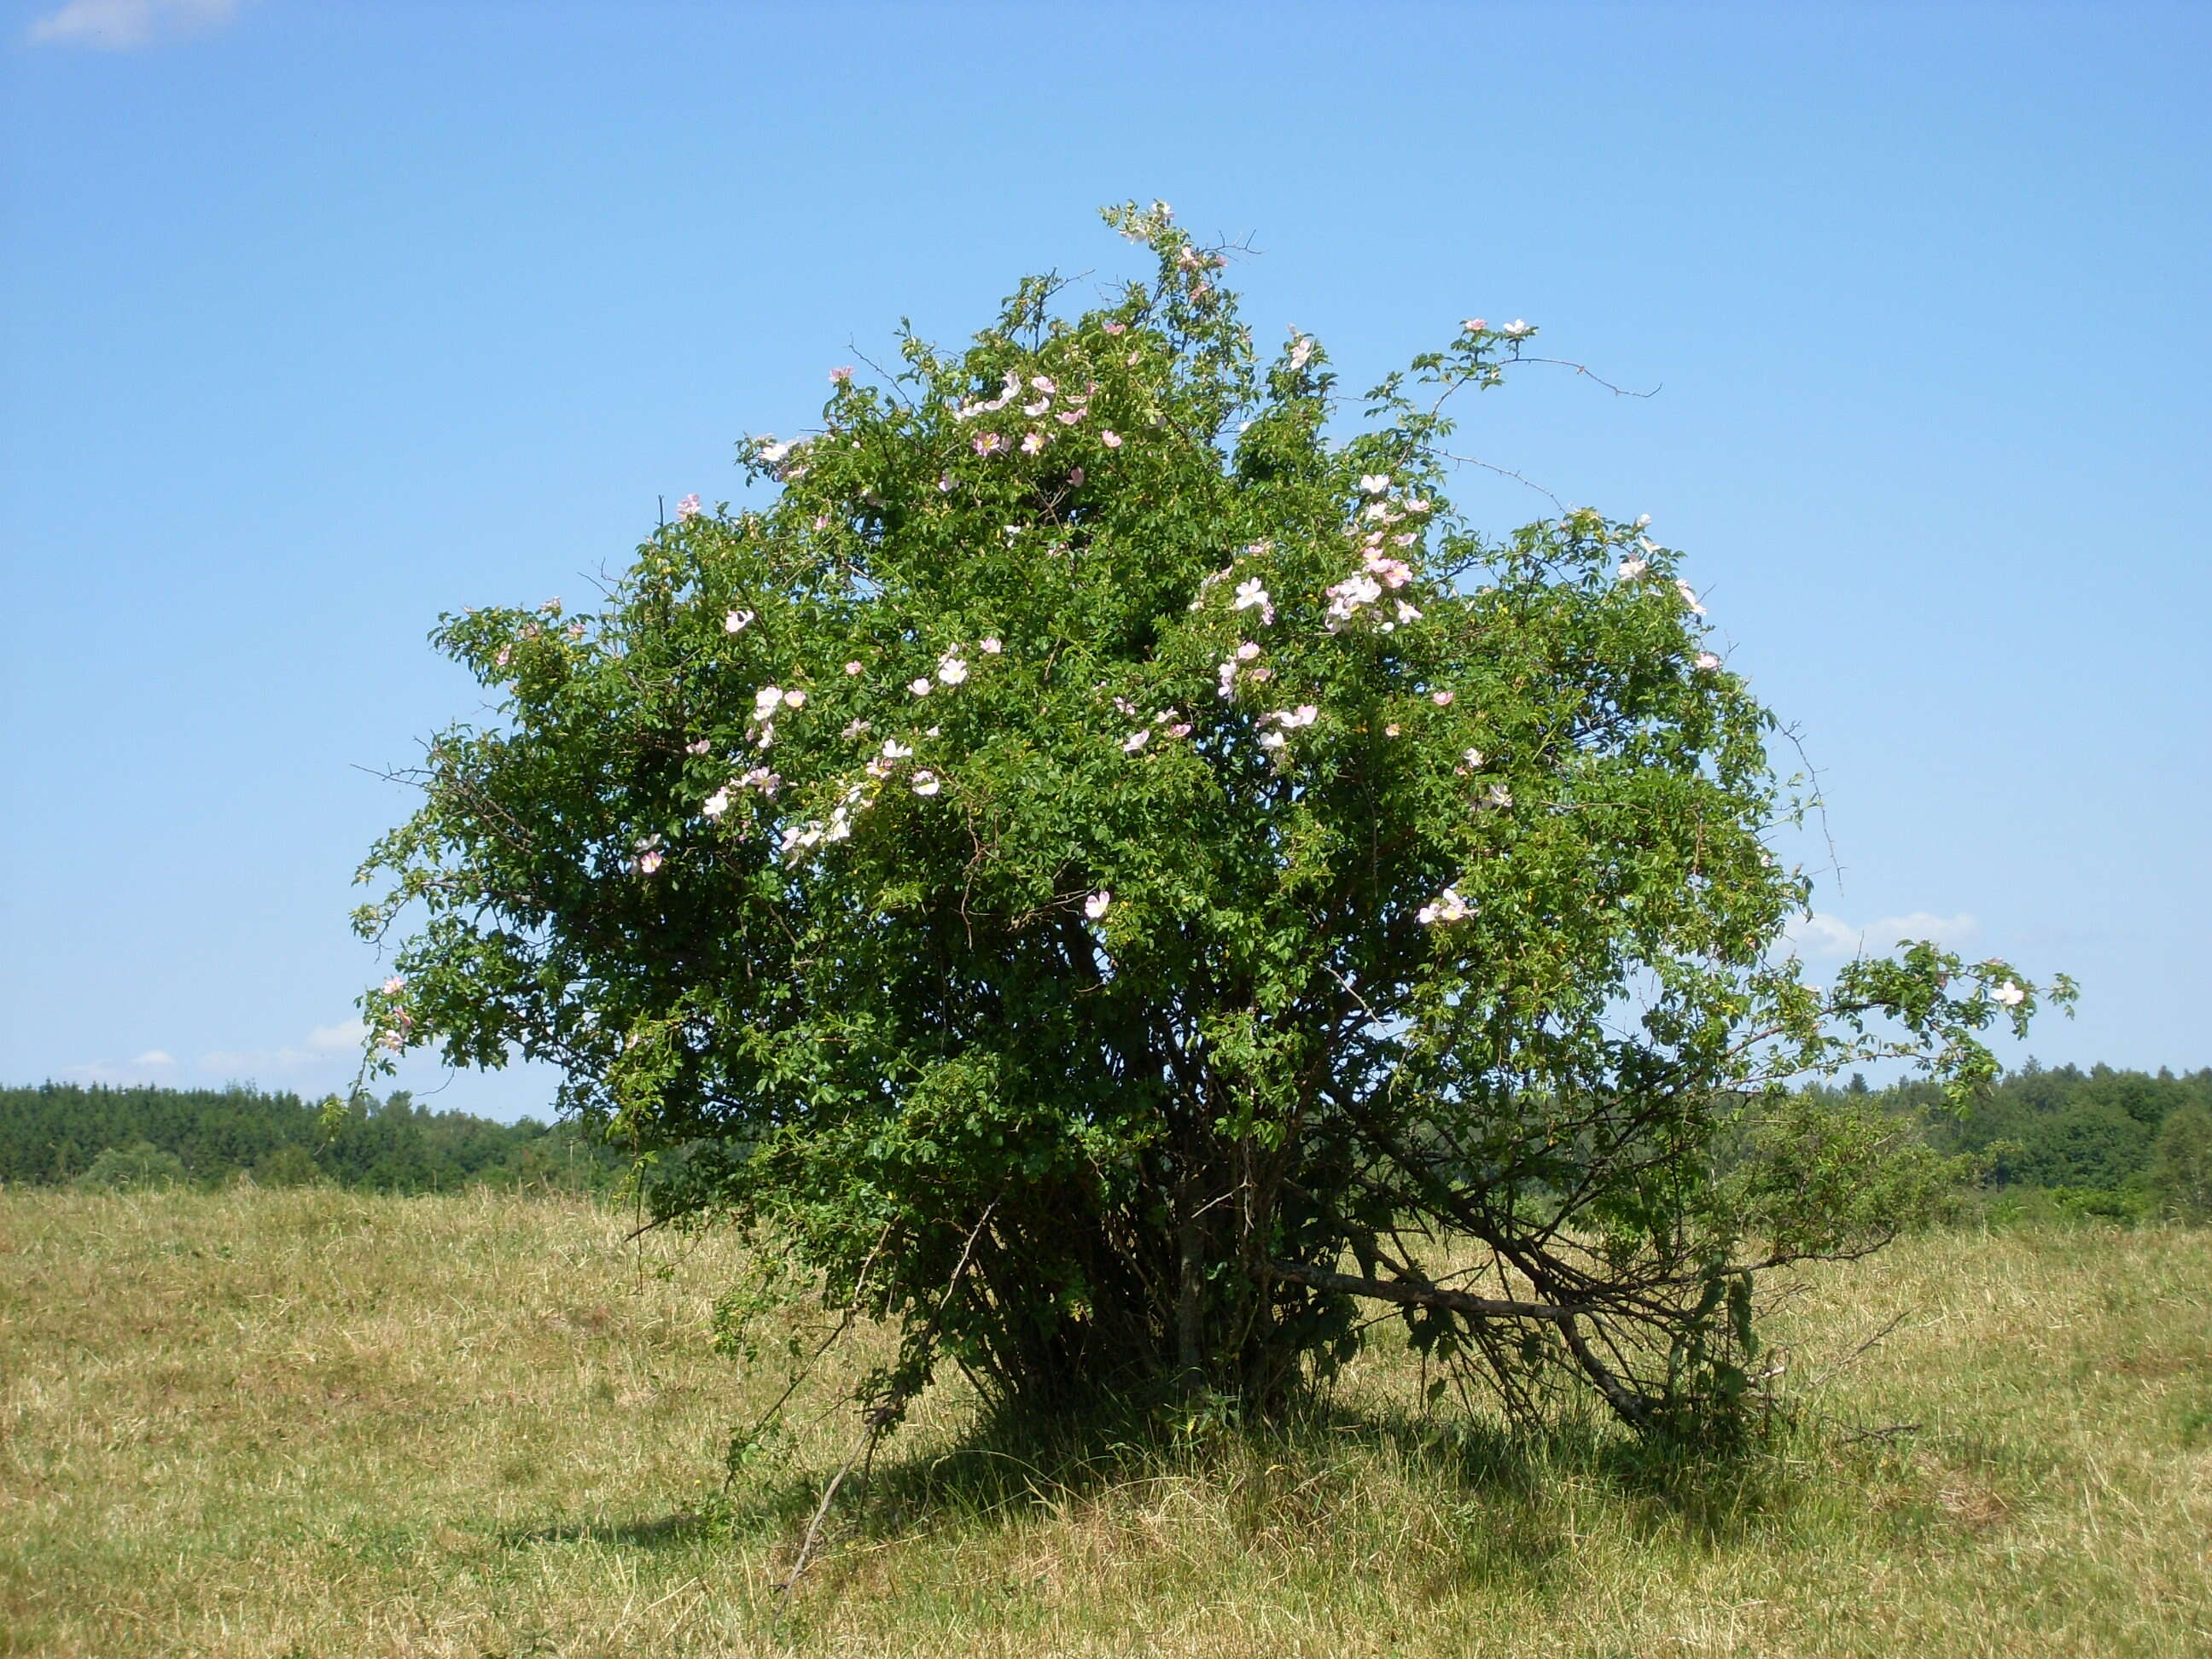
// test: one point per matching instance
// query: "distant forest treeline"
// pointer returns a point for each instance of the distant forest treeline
(2117, 1144)
(57, 1133)
(2122, 1144)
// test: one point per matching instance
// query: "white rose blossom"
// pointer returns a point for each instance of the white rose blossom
(1448, 906)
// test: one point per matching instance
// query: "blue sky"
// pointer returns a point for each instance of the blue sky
(322, 319)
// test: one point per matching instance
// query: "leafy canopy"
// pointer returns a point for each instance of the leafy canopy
(1114, 875)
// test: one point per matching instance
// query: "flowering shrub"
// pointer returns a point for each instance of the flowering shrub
(1115, 877)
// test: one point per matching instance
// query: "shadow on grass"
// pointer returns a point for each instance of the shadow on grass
(1512, 1499)
(685, 1526)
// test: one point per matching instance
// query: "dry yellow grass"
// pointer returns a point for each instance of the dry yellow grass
(313, 1423)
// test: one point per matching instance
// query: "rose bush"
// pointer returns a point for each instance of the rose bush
(1115, 876)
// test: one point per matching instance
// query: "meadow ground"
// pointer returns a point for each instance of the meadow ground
(310, 1423)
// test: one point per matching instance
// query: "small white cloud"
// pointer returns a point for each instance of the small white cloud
(125, 25)
(1823, 935)
(346, 1034)
(316, 1049)
(156, 1057)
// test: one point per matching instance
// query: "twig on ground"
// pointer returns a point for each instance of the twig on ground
(1856, 1354)
(878, 1418)
(1888, 1432)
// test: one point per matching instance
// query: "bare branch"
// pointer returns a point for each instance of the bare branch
(1419, 1296)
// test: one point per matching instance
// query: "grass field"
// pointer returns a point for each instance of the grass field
(308, 1422)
